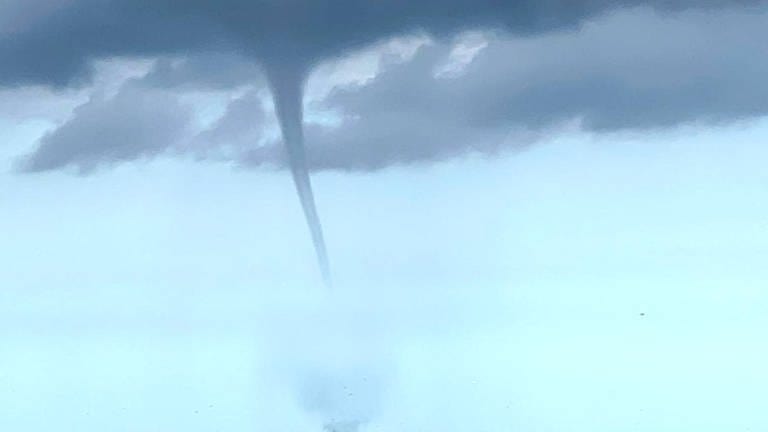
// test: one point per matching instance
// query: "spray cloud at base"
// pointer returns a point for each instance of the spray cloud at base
(333, 355)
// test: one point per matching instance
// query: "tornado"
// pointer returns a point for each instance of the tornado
(286, 82)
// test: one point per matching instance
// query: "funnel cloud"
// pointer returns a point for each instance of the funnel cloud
(287, 84)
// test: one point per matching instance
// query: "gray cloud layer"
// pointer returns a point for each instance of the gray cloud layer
(634, 69)
(136, 123)
(629, 72)
(55, 41)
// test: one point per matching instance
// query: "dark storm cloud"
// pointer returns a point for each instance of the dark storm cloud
(630, 71)
(56, 44)
(206, 71)
(241, 127)
(135, 123)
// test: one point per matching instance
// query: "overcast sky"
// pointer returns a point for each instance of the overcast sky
(540, 216)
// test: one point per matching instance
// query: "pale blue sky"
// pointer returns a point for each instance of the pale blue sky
(498, 294)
